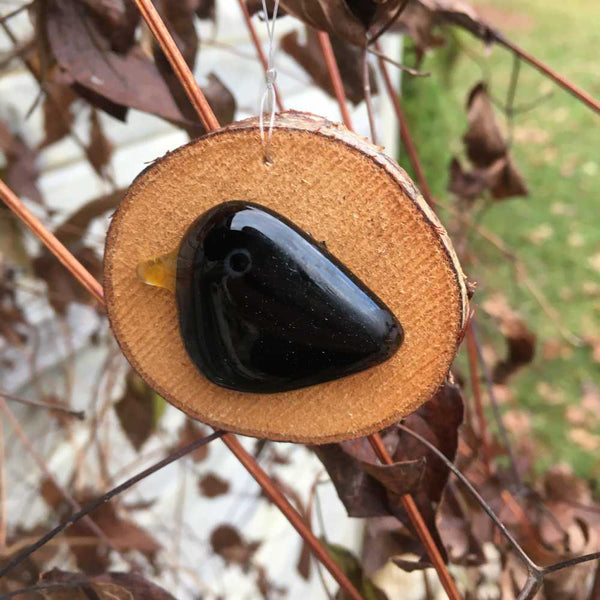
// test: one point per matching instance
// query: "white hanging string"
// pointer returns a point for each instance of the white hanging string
(268, 99)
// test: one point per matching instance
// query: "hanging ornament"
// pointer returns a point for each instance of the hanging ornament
(314, 297)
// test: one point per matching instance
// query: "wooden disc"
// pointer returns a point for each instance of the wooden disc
(342, 190)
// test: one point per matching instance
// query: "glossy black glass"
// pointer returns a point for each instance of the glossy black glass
(263, 307)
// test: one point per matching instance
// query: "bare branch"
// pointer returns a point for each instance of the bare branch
(78, 414)
(106, 497)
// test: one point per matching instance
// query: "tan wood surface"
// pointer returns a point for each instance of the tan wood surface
(345, 192)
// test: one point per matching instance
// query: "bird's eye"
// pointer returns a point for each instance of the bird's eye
(238, 262)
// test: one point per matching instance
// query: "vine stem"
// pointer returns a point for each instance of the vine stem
(334, 75)
(410, 506)
(559, 79)
(292, 515)
(375, 439)
(180, 67)
(84, 512)
(405, 131)
(476, 387)
(78, 414)
(91, 525)
(52, 243)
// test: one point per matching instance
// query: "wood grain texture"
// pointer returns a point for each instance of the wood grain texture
(342, 190)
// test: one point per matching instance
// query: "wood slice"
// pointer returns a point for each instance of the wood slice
(341, 189)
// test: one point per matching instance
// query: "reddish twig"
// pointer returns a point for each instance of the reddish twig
(292, 515)
(405, 132)
(559, 79)
(368, 96)
(336, 78)
(259, 49)
(182, 71)
(476, 386)
(51, 242)
(495, 406)
(419, 524)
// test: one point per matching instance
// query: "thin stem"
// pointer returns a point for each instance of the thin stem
(14, 12)
(532, 586)
(369, 97)
(397, 64)
(559, 79)
(275, 495)
(495, 407)
(486, 507)
(400, 9)
(92, 525)
(78, 414)
(51, 242)
(496, 36)
(475, 385)
(405, 132)
(180, 67)
(419, 524)
(259, 49)
(334, 75)
(84, 512)
(3, 526)
(565, 564)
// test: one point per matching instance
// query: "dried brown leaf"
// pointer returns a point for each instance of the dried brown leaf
(205, 9)
(74, 228)
(349, 59)
(333, 16)
(304, 561)
(468, 185)
(58, 117)
(108, 79)
(463, 14)
(100, 148)
(108, 586)
(368, 489)
(420, 22)
(117, 20)
(190, 432)
(211, 485)
(12, 317)
(362, 491)
(63, 289)
(227, 542)
(138, 410)
(504, 179)
(179, 18)
(21, 173)
(484, 141)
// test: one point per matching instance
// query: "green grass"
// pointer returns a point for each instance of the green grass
(557, 148)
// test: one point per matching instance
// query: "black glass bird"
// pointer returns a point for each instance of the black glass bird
(265, 308)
